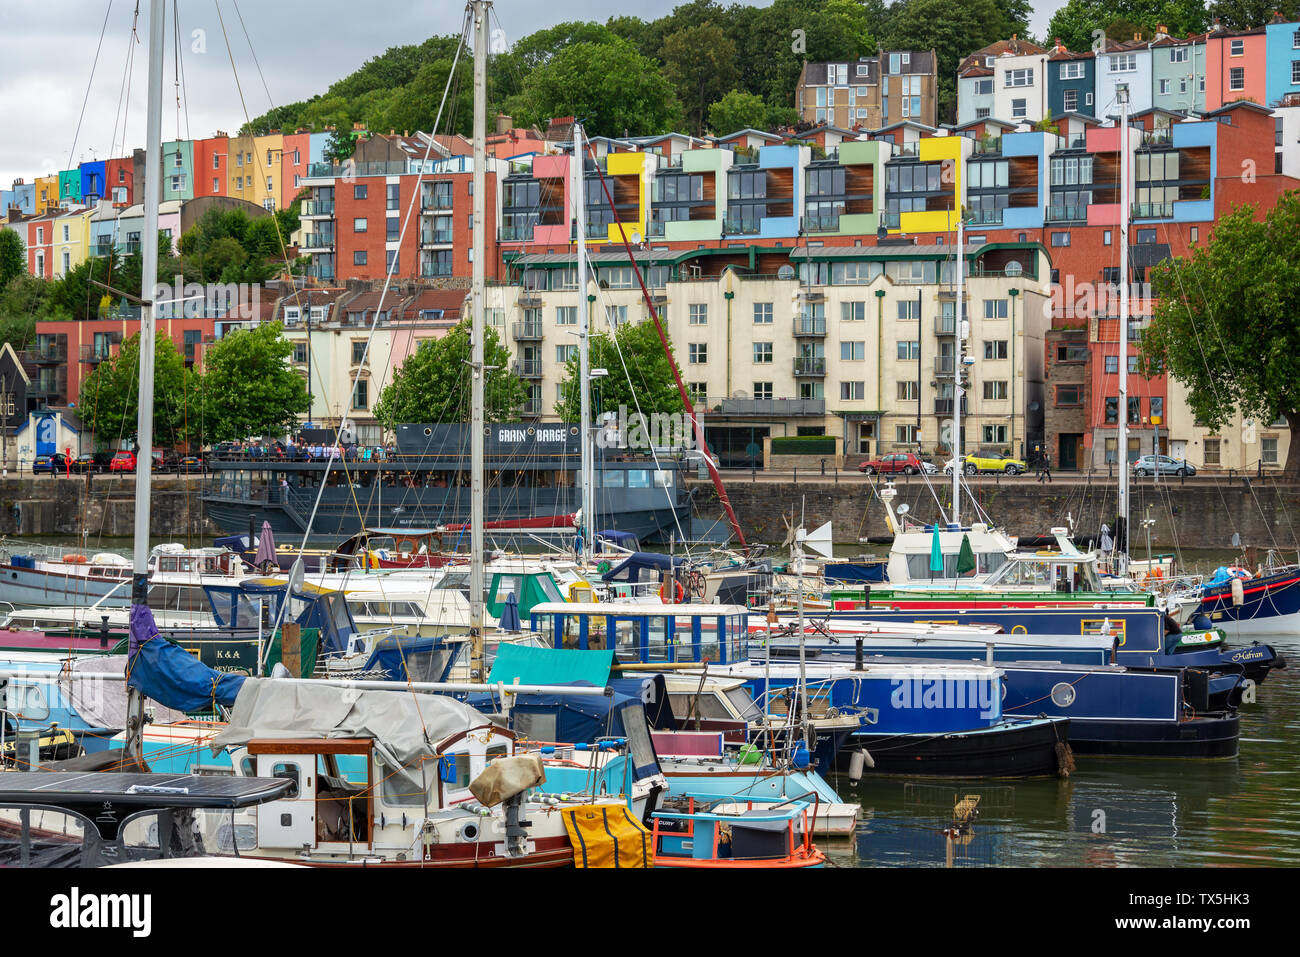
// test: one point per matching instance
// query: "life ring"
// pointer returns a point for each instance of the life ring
(74, 559)
(678, 590)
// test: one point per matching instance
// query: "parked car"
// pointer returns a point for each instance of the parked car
(904, 462)
(990, 461)
(56, 464)
(190, 463)
(1162, 465)
(91, 462)
(122, 462)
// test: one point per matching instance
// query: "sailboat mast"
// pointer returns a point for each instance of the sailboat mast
(477, 371)
(1121, 521)
(960, 313)
(586, 526)
(148, 293)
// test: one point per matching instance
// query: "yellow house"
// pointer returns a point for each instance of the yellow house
(253, 170)
(947, 151)
(71, 243)
(47, 194)
(629, 180)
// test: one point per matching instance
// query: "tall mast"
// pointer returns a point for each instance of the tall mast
(586, 526)
(148, 293)
(1121, 521)
(477, 371)
(960, 313)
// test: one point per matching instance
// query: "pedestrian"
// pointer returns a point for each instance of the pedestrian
(1045, 469)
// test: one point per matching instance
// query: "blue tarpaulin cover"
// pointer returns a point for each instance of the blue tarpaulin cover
(550, 666)
(169, 674)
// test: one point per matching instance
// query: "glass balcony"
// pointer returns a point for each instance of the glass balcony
(809, 326)
(1153, 210)
(436, 237)
(1062, 214)
(945, 326)
(533, 407)
(944, 365)
(516, 234)
(526, 330)
(317, 207)
(318, 241)
(986, 217)
(435, 271)
(810, 365)
(528, 368)
(821, 222)
(742, 227)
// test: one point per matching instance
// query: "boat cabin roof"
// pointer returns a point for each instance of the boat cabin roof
(79, 788)
(633, 609)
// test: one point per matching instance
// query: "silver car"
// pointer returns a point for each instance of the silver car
(1162, 465)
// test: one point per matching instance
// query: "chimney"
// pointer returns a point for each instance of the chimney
(358, 127)
(1161, 30)
(504, 123)
(1215, 25)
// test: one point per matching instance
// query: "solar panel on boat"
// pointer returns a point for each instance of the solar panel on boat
(149, 790)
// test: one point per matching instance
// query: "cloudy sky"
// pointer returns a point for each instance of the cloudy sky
(302, 47)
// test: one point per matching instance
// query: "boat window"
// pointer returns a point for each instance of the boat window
(536, 726)
(658, 649)
(549, 588)
(29, 702)
(613, 478)
(506, 585)
(290, 770)
(738, 633)
(401, 788)
(628, 637)
(710, 649)
(687, 708)
(47, 837)
(744, 704)
(663, 479)
(497, 751)
(638, 478)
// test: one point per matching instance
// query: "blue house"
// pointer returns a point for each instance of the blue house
(1071, 80)
(92, 181)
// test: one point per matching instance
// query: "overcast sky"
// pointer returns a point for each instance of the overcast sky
(302, 47)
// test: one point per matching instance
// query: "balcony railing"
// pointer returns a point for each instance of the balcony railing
(1153, 210)
(321, 273)
(1158, 137)
(528, 368)
(774, 407)
(435, 271)
(317, 241)
(49, 351)
(907, 149)
(945, 326)
(742, 227)
(944, 365)
(437, 237)
(809, 365)
(990, 146)
(944, 407)
(526, 330)
(317, 207)
(986, 217)
(821, 222)
(435, 201)
(809, 326)
(96, 353)
(1061, 214)
(378, 168)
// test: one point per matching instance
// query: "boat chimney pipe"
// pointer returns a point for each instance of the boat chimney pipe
(857, 658)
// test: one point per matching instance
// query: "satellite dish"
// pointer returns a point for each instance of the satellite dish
(785, 272)
(903, 509)
(296, 576)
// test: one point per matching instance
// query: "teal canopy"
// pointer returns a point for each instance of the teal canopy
(550, 666)
(936, 552)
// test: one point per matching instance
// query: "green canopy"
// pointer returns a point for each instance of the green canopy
(550, 666)
(966, 557)
(936, 552)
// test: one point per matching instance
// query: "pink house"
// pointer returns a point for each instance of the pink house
(1236, 65)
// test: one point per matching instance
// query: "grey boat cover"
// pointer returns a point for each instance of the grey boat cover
(405, 726)
(102, 704)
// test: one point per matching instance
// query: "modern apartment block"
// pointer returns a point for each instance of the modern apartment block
(870, 92)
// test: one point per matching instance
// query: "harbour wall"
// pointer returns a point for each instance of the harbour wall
(1200, 513)
(43, 505)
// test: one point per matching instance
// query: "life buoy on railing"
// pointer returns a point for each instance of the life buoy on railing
(678, 590)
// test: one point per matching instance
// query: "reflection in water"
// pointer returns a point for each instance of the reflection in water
(1112, 812)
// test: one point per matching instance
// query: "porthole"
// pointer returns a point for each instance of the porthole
(1063, 694)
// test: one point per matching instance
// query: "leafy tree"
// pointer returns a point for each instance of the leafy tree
(433, 384)
(1076, 24)
(417, 107)
(109, 400)
(1245, 14)
(13, 256)
(75, 296)
(508, 71)
(738, 111)
(635, 347)
(609, 86)
(1249, 268)
(248, 386)
(700, 62)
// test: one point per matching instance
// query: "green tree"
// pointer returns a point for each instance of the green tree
(1077, 23)
(109, 400)
(640, 375)
(433, 384)
(700, 62)
(609, 86)
(1249, 268)
(417, 107)
(13, 256)
(249, 388)
(1245, 14)
(738, 111)
(76, 296)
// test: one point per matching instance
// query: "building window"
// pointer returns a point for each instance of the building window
(1072, 71)
(1112, 409)
(358, 352)
(762, 390)
(1060, 239)
(1071, 100)
(616, 315)
(566, 315)
(995, 349)
(995, 308)
(853, 351)
(358, 257)
(1295, 71)
(698, 353)
(984, 87)
(907, 390)
(564, 353)
(1019, 109)
(698, 391)
(394, 229)
(1212, 451)
(853, 391)
(763, 353)
(359, 224)
(1105, 237)
(995, 390)
(360, 395)
(359, 191)
(1123, 63)
(1020, 77)
(300, 352)
(1237, 78)
(995, 435)
(762, 313)
(1164, 87)
(1112, 451)
(909, 310)
(1268, 450)
(699, 314)
(1237, 48)
(1068, 395)
(853, 311)
(1196, 232)
(1178, 55)
(909, 349)
(981, 113)
(1112, 365)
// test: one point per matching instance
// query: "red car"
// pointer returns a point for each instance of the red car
(904, 462)
(122, 462)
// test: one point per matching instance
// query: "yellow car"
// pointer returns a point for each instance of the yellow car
(989, 461)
